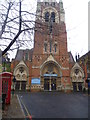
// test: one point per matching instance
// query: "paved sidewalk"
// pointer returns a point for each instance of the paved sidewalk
(14, 109)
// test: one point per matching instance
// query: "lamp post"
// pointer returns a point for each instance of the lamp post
(88, 81)
(14, 81)
(4, 61)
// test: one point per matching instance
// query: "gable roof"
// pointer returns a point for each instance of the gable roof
(87, 55)
(71, 59)
(21, 54)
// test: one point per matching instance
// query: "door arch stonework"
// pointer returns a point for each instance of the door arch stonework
(77, 78)
(21, 74)
(50, 76)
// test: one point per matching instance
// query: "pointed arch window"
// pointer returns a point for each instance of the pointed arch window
(76, 71)
(53, 4)
(26, 56)
(21, 69)
(55, 48)
(45, 3)
(53, 16)
(47, 17)
(45, 47)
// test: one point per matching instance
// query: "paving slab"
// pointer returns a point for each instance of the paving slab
(13, 110)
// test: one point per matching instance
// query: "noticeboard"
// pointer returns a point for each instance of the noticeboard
(35, 81)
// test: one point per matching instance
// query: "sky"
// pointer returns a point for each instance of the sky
(76, 19)
(76, 16)
(89, 25)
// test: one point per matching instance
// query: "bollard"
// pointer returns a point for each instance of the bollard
(3, 101)
(12, 92)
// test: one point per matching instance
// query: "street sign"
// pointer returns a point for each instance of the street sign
(50, 75)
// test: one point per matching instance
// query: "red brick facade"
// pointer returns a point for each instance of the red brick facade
(49, 60)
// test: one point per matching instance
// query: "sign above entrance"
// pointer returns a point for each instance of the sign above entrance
(35, 81)
(50, 75)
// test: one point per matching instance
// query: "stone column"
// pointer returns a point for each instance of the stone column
(42, 84)
(77, 86)
(20, 86)
(50, 84)
(20, 81)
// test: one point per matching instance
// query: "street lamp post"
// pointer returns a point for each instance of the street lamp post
(4, 61)
(50, 84)
(14, 81)
(88, 81)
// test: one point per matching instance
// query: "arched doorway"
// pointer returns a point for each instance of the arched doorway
(77, 76)
(50, 81)
(21, 73)
(50, 76)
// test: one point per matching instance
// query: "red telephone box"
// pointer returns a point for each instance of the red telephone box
(0, 86)
(6, 85)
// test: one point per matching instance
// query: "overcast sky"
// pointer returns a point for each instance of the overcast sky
(76, 14)
(76, 18)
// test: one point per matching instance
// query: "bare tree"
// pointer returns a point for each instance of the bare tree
(16, 25)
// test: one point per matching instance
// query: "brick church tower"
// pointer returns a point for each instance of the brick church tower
(48, 66)
(50, 60)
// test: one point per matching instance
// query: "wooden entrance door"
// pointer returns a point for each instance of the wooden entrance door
(74, 87)
(17, 86)
(80, 87)
(23, 86)
(46, 84)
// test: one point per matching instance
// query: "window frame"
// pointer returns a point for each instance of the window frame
(45, 47)
(53, 16)
(47, 15)
(55, 48)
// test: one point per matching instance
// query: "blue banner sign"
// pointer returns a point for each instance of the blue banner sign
(50, 75)
(35, 81)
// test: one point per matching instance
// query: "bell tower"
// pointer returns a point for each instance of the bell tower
(50, 29)
(50, 39)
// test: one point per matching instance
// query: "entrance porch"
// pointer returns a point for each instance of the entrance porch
(20, 85)
(50, 84)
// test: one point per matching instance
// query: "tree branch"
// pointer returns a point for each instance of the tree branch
(5, 21)
(19, 32)
(11, 43)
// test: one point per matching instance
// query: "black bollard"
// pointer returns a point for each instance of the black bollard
(3, 101)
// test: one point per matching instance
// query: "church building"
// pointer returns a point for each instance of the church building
(48, 66)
